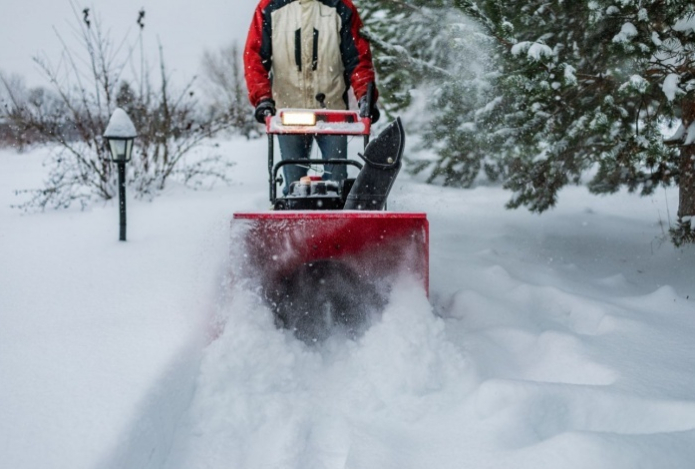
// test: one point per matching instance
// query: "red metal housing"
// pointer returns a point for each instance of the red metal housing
(377, 245)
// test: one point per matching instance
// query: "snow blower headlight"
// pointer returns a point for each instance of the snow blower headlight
(299, 118)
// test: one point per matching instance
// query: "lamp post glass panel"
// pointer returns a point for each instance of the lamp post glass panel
(120, 133)
(121, 149)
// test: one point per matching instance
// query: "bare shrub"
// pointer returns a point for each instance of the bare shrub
(13, 134)
(87, 85)
(224, 86)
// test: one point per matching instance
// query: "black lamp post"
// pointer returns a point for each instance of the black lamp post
(120, 133)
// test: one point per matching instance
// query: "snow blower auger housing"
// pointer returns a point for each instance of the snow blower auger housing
(327, 252)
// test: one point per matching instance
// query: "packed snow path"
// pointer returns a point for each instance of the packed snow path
(559, 341)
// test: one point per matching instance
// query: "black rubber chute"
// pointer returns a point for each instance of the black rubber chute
(383, 162)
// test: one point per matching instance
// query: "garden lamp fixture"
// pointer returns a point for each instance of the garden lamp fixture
(120, 133)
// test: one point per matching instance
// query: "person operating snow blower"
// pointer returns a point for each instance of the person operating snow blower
(307, 54)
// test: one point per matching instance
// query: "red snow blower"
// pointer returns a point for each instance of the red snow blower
(326, 254)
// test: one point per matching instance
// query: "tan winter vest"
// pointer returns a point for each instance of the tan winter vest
(306, 56)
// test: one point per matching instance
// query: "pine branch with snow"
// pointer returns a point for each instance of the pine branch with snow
(538, 94)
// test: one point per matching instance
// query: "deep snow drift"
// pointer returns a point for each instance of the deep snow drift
(563, 340)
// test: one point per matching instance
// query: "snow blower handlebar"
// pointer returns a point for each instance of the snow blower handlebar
(311, 122)
(317, 122)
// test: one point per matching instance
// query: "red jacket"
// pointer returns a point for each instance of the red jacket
(298, 48)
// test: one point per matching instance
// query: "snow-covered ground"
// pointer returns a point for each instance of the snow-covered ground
(556, 341)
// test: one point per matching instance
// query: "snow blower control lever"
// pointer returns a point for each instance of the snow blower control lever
(321, 98)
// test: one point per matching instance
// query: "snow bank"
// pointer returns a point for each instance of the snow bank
(559, 341)
(266, 400)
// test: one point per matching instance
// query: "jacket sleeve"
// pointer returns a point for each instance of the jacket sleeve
(257, 55)
(355, 51)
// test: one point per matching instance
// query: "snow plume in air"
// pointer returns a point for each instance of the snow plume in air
(265, 399)
(468, 51)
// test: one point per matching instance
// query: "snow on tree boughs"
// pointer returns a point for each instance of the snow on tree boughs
(552, 90)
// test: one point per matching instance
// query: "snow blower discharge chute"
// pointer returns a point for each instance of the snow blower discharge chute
(326, 253)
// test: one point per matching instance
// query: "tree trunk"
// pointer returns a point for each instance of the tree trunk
(686, 203)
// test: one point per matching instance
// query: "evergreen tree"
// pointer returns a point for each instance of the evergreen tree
(411, 47)
(566, 87)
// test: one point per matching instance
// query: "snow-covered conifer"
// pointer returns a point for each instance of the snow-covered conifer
(557, 88)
